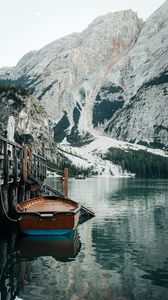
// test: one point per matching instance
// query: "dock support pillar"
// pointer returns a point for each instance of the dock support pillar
(25, 163)
(4, 203)
(21, 193)
(66, 182)
(12, 199)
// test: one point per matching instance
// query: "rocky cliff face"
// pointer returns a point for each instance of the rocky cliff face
(143, 118)
(28, 118)
(111, 78)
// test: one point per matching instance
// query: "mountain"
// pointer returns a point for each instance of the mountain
(110, 79)
(67, 74)
(24, 118)
(144, 76)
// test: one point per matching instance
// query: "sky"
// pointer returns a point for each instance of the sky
(27, 25)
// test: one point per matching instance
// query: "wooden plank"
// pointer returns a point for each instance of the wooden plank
(86, 211)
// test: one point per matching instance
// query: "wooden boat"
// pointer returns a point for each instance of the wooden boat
(61, 247)
(80, 176)
(48, 215)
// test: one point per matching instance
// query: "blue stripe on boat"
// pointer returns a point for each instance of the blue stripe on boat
(47, 232)
(66, 237)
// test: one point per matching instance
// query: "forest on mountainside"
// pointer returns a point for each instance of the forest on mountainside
(143, 163)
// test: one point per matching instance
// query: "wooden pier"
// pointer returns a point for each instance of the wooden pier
(22, 176)
(22, 173)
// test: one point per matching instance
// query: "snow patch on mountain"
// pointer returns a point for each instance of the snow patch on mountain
(91, 155)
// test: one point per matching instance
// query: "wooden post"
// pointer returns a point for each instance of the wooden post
(43, 149)
(35, 165)
(66, 182)
(29, 161)
(6, 163)
(15, 163)
(25, 163)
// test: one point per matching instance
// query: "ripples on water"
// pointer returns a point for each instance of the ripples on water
(120, 254)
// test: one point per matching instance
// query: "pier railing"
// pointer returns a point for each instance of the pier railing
(34, 165)
(19, 162)
(10, 161)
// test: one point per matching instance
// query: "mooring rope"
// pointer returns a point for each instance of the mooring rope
(3, 206)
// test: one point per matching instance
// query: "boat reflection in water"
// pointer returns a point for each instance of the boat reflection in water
(60, 247)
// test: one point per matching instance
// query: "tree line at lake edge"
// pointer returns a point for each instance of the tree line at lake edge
(140, 162)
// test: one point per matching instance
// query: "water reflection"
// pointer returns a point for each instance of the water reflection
(63, 247)
(128, 240)
(121, 253)
(9, 267)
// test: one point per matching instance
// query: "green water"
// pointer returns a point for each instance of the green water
(120, 254)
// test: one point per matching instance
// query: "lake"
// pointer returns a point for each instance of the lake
(121, 254)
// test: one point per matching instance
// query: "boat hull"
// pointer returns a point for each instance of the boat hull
(37, 225)
(36, 220)
(46, 232)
